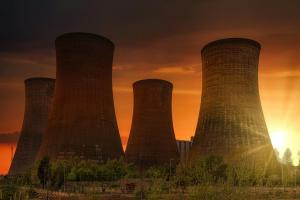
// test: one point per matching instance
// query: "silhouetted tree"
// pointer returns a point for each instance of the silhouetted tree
(44, 171)
(298, 159)
(276, 152)
(287, 157)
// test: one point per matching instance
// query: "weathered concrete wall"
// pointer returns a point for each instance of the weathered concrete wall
(231, 121)
(152, 139)
(83, 122)
(38, 101)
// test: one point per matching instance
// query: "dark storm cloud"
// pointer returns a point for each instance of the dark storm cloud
(33, 23)
(158, 38)
(171, 31)
(22, 65)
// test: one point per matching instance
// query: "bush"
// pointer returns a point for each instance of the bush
(157, 189)
(58, 173)
(245, 174)
(85, 174)
(211, 169)
(158, 172)
(116, 168)
(8, 191)
(112, 170)
(183, 177)
(72, 175)
(131, 171)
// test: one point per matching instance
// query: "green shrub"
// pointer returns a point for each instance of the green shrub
(157, 189)
(208, 170)
(8, 191)
(245, 173)
(183, 177)
(158, 172)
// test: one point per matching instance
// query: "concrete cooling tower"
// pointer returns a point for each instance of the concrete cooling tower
(152, 139)
(83, 122)
(38, 100)
(231, 121)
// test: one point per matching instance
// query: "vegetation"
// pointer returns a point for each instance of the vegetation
(287, 157)
(8, 191)
(206, 178)
(43, 171)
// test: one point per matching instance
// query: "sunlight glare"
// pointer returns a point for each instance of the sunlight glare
(278, 139)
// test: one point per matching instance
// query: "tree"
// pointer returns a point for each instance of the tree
(114, 170)
(57, 174)
(44, 171)
(276, 152)
(287, 157)
(298, 159)
(85, 174)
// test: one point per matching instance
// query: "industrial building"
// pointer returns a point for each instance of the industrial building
(38, 101)
(152, 139)
(83, 122)
(184, 147)
(231, 121)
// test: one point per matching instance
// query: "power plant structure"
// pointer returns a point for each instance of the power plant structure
(38, 101)
(231, 121)
(83, 122)
(184, 147)
(152, 139)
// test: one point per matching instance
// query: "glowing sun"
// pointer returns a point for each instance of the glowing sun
(278, 139)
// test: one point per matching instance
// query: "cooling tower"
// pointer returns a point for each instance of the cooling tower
(38, 99)
(231, 121)
(83, 122)
(152, 139)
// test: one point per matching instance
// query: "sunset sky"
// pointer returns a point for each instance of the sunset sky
(155, 39)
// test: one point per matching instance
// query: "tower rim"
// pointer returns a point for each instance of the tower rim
(232, 40)
(83, 34)
(38, 79)
(152, 80)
